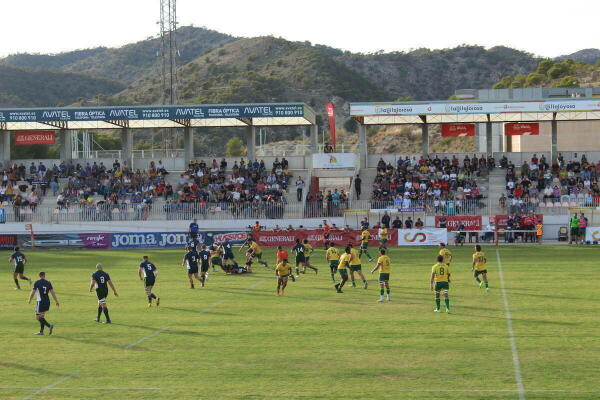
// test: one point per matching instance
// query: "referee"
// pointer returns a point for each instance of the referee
(101, 280)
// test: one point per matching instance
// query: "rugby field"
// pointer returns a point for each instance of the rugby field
(536, 337)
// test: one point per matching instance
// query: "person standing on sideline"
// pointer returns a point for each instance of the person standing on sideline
(574, 223)
(357, 188)
(193, 231)
(385, 220)
(101, 280)
(299, 188)
(42, 288)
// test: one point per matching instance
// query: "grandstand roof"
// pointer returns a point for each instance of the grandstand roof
(171, 116)
(436, 112)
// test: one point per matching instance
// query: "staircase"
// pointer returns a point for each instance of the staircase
(497, 187)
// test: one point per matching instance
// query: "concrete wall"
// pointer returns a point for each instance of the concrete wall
(572, 136)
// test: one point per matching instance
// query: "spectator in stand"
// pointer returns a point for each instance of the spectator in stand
(357, 186)
(276, 228)
(299, 188)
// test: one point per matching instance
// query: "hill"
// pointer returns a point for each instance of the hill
(549, 73)
(127, 63)
(22, 87)
(590, 56)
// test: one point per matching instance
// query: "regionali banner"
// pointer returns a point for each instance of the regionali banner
(470, 222)
(39, 137)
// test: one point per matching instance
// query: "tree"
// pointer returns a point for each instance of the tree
(544, 66)
(504, 83)
(350, 125)
(235, 147)
(567, 81)
(534, 79)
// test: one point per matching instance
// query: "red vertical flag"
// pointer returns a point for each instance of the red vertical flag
(331, 118)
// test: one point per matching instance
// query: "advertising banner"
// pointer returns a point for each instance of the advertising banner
(454, 130)
(149, 240)
(38, 137)
(334, 160)
(153, 112)
(422, 237)
(592, 234)
(331, 120)
(425, 108)
(521, 128)
(7, 242)
(316, 238)
(501, 220)
(471, 223)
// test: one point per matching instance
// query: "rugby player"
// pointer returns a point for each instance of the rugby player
(479, 267)
(190, 261)
(445, 253)
(19, 260)
(384, 267)
(342, 268)
(283, 270)
(42, 288)
(332, 256)
(204, 256)
(309, 250)
(356, 267)
(101, 281)
(150, 273)
(365, 236)
(440, 275)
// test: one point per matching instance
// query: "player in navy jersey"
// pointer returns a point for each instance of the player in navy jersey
(43, 288)
(228, 256)
(194, 243)
(204, 264)
(190, 260)
(148, 273)
(19, 261)
(101, 281)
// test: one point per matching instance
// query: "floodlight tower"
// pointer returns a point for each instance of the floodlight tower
(168, 50)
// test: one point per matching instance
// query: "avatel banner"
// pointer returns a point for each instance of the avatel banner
(470, 222)
(455, 130)
(37, 137)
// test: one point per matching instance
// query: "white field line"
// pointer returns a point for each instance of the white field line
(50, 386)
(203, 311)
(511, 333)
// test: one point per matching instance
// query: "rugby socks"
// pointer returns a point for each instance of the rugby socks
(388, 292)
(381, 292)
(477, 280)
(447, 301)
(106, 314)
(43, 321)
(25, 278)
(486, 285)
(150, 299)
(437, 303)
(152, 296)
(333, 276)
(41, 326)
(17, 283)
(99, 313)
(353, 283)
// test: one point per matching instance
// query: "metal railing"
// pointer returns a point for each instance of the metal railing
(276, 210)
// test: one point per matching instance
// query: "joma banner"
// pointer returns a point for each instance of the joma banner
(470, 222)
(422, 237)
(38, 137)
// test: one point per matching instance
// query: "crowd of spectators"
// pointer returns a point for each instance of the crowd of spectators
(447, 185)
(330, 204)
(540, 184)
(24, 188)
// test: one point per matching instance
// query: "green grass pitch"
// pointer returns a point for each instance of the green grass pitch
(235, 339)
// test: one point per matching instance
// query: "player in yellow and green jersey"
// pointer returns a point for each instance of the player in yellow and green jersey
(440, 274)
(446, 253)
(308, 249)
(283, 270)
(480, 267)
(332, 256)
(383, 237)
(342, 268)
(254, 251)
(384, 267)
(355, 266)
(365, 236)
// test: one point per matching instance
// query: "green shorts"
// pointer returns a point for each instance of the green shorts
(364, 245)
(384, 277)
(383, 241)
(257, 255)
(343, 272)
(334, 263)
(439, 286)
(479, 272)
(216, 260)
(355, 267)
(307, 259)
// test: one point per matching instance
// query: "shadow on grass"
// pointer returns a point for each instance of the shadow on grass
(522, 320)
(167, 331)
(40, 371)
(196, 311)
(100, 343)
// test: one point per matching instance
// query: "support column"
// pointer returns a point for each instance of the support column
(362, 146)
(127, 146)
(251, 148)
(5, 147)
(66, 150)
(188, 144)
(314, 141)
(489, 149)
(554, 140)
(425, 139)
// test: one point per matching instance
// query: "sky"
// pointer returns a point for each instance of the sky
(545, 28)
